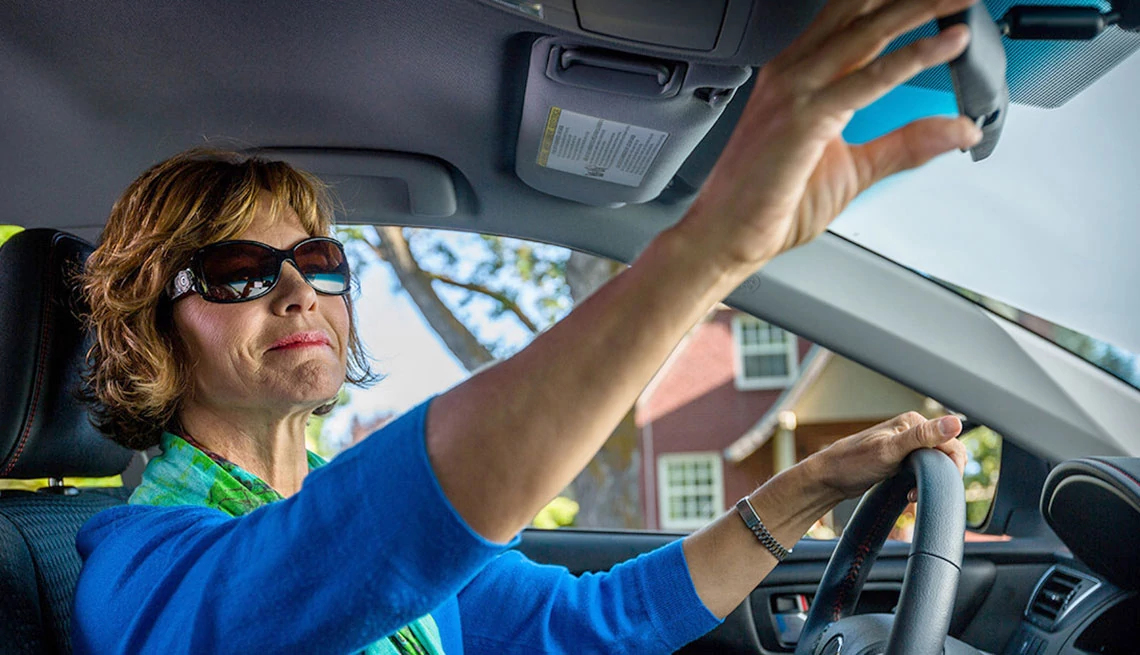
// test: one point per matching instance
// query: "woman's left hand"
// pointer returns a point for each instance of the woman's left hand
(852, 465)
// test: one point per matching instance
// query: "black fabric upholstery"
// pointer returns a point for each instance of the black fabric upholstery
(44, 430)
(39, 566)
(44, 433)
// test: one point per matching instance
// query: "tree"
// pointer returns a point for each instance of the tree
(608, 489)
(486, 297)
(983, 447)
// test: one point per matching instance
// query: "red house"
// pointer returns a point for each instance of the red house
(740, 400)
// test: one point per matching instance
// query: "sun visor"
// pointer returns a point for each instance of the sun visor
(603, 127)
(378, 185)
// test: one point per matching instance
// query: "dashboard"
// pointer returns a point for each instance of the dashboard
(1073, 610)
(1093, 505)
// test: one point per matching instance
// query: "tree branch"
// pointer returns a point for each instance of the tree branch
(497, 296)
(392, 247)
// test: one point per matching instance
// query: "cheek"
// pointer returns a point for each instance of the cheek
(211, 336)
(339, 320)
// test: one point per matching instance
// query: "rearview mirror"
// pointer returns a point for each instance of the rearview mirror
(978, 75)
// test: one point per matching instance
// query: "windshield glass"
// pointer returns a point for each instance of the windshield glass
(1113, 359)
(1047, 224)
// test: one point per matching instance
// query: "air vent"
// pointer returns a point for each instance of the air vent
(1056, 594)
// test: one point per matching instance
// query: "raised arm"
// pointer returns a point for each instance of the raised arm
(510, 438)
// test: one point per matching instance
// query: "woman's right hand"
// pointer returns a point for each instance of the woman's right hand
(786, 172)
(509, 439)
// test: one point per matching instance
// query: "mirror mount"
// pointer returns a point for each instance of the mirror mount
(1066, 22)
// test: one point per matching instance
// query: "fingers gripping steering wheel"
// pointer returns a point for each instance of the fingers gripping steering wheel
(921, 622)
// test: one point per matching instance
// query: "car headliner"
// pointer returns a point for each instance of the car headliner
(94, 95)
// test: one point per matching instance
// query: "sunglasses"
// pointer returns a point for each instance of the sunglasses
(237, 271)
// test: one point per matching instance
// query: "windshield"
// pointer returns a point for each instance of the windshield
(1047, 224)
(1112, 359)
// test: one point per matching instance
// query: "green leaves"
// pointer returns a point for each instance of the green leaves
(983, 446)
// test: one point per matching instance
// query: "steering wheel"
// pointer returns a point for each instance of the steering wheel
(922, 619)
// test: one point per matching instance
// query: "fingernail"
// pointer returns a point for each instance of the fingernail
(947, 425)
(959, 35)
(976, 135)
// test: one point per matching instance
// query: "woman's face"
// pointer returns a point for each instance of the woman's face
(238, 359)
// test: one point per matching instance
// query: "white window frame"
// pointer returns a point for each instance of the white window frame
(789, 348)
(665, 492)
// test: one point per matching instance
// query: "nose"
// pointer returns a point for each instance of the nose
(293, 292)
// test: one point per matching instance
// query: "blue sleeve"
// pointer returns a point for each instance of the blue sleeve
(645, 605)
(369, 544)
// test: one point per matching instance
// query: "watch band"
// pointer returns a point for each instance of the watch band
(748, 513)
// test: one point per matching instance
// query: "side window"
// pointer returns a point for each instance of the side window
(983, 446)
(738, 401)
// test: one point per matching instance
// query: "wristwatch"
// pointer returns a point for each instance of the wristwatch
(748, 513)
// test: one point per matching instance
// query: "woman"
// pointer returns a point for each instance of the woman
(222, 325)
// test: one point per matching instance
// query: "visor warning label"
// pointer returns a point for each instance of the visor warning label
(597, 148)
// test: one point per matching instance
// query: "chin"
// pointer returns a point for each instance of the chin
(315, 384)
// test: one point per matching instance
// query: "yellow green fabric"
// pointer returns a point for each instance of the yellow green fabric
(6, 232)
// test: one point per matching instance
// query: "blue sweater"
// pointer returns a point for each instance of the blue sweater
(369, 544)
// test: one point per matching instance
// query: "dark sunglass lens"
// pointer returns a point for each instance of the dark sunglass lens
(237, 271)
(324, 264)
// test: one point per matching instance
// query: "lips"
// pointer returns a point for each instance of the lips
(301, 340)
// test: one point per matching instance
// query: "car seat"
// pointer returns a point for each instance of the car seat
(45, 433)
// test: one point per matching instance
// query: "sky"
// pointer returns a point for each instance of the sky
(404, 348)
(1047, 224)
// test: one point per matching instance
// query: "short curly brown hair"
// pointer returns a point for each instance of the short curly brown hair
(136, 374)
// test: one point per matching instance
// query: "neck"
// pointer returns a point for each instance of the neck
(273, 449)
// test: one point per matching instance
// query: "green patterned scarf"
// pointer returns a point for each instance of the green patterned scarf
(188, 475)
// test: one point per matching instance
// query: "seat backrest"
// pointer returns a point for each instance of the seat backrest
(39, 565)
(44, 433)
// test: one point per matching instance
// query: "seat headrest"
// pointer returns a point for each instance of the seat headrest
(44, 427)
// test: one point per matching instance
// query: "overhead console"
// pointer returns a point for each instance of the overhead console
(684, 24)
(732, 31)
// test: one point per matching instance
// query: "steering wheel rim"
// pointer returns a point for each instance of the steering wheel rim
(922, 620)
